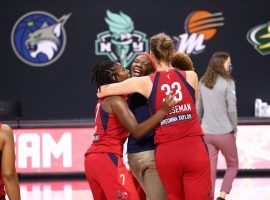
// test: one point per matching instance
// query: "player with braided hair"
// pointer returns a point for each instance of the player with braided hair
(107, 176)
(103, 73)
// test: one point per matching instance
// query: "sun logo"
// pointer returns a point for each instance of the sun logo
(200, 26)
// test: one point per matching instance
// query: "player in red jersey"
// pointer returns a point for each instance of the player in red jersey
(8, 177)
(182, 61)
(181, 156)
(141, 151)
(104, 168)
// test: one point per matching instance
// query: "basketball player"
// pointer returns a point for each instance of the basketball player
(8, 177)
(104, 168)
(181, 156)
(141, 156)
(182, 61)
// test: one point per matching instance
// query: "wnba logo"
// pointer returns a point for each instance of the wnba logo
(200, 26)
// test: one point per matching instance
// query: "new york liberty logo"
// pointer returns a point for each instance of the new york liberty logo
(259, 37)
(121, 42)
(200, 26)
(39, 38)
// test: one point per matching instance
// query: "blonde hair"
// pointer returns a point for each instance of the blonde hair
(162, 46)
(182, 61)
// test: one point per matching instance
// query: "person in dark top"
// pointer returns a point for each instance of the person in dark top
(141, 156)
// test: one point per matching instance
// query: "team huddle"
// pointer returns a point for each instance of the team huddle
(156, 110)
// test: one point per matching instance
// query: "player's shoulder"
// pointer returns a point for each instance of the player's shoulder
(191, 75)
(6, 132)
(116, 100)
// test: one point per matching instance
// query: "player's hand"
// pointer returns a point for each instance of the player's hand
(99, 94)
(235, 133)
(169, 103)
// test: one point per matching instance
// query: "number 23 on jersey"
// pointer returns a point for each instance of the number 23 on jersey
(174, 87)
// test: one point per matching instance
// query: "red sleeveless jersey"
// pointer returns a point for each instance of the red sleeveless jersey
(110, 134)
(182, 121)
(2, 190)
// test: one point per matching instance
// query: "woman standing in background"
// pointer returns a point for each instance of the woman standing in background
(217, 110)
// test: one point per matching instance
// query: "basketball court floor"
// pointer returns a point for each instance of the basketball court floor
(243, 189)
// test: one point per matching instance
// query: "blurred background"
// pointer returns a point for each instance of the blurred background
(61, 88)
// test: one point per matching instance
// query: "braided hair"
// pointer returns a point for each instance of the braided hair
(103, 73)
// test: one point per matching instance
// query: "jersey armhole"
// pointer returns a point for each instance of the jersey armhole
(152, 77)
(184, 74)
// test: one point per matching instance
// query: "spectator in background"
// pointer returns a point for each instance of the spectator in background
(8, 177)
(217, 110)
(182, 61)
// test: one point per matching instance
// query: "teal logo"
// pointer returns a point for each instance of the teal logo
(121, 43)
(259, 37)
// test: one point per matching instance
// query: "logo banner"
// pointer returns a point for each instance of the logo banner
(122, 42)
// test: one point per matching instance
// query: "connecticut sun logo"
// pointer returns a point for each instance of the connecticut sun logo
(39, 38)
(200, 26)
(259, 37)
(121, 42)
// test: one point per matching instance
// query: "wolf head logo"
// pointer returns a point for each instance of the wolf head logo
(44, 40)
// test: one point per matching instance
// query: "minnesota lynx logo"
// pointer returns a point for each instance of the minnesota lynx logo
(200, 26)
(39, 38)
(121, 42)
(259, 37)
